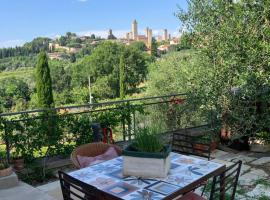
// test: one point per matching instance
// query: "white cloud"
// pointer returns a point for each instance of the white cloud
(82, 1)
(11, 43)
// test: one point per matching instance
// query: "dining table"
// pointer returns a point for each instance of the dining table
(186, 172)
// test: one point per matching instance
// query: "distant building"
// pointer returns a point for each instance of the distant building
(56, 56)
(134, 30)
(110, 35)
(146, 38)
(56, 47)
(165, 34)
(165, 48)
(174, 41)
(149, 39)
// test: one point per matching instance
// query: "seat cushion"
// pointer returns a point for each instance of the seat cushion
(87, 161)
(191, 196)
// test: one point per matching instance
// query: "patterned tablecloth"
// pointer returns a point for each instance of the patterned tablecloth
(107, 176)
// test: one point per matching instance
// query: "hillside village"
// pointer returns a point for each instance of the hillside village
(61, 47)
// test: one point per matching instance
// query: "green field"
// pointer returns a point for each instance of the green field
(21, 73)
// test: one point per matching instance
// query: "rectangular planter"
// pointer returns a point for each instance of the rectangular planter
(257, 145)
(146, 165)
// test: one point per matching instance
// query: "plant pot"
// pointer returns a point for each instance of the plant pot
(6, 172)
(213, 146)
(259, 146)
(18, 164)
(146, 165)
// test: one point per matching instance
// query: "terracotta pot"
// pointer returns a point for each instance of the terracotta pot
(225, 133)
(213, 146)
(18, 164)
(6, 172)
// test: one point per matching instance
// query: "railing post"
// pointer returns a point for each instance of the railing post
(6, 142)
(124, 128)
(134, 122)
(129, 121)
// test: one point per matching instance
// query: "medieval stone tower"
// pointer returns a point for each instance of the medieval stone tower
(149, 38)
(165, 34)
(134, 30)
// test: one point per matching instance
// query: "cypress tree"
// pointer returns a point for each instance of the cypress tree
(44, 82)
(122, 77)
(154, 51)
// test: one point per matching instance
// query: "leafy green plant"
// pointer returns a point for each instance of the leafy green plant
(146, 140)
(206, 137)
(3, 164)
(264, 136)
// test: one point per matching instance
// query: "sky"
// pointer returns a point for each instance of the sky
(23, 20)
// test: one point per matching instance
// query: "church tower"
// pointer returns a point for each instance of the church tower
(149, 38)
(134, 29)
(165, 34)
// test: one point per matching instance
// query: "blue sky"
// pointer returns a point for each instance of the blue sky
(23, 20)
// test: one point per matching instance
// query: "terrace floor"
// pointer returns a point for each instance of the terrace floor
(254, 182)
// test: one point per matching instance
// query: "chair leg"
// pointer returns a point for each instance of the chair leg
(204, 187)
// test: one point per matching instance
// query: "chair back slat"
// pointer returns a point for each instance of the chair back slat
(72, 187)
(187, 144)
(226, 181)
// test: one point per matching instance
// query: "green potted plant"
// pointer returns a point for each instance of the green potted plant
(260, 142)
(5, 168)
(146, 156)
(207, 138)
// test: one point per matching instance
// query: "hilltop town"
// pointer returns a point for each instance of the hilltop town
(59, 48)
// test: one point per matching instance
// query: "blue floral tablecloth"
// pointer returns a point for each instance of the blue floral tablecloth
(107, 176)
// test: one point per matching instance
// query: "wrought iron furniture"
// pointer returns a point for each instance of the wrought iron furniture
(76, 189)
(187, 144)
(222, 183)
(183, 142)
(91, 150)
(186, 173)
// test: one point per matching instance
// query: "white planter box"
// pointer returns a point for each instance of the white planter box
(262, 148)
(257, 145)
(146, 165)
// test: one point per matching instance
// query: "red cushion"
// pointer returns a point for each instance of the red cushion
(191, 196)
(86, 161)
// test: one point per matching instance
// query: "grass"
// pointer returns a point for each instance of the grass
(21, 73)
(264, 198)
(263, 182)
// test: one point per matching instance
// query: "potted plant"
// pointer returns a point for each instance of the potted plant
(5, 168)
(17, 161)
(208, 138)
(146, 156)
(260, 142)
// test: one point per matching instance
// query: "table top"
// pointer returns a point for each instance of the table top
(185, 171)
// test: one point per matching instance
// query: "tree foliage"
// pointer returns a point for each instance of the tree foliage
(235, 37)
(122, 78)
(44, 82)
(14, 94)
(35, 46)
(103, 67)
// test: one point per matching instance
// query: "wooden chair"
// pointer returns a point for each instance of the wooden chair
(75, 189)
(91, 150)
(221, 184)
